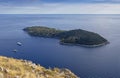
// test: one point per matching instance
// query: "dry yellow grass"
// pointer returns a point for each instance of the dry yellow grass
(14, 68)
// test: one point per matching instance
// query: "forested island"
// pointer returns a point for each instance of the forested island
(74, 37)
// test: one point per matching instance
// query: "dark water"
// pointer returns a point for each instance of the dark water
(101, 62)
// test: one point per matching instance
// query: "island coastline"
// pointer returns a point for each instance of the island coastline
(87, 46)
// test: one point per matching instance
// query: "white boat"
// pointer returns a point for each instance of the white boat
(15, 50)
(19, 43)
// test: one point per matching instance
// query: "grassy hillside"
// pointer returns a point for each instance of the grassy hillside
(14, 68)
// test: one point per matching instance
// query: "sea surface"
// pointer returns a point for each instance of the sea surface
(100, 62)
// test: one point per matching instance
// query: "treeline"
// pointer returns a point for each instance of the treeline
(42, 31)
(79, 36)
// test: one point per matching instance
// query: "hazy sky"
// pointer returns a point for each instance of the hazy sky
(59, 6)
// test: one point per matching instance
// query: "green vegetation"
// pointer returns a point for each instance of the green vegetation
(43, 31)
(76, 37)
(14, 68)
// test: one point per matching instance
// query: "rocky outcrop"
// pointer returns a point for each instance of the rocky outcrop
(14, 68)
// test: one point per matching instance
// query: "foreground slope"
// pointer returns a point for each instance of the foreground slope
(14, 68)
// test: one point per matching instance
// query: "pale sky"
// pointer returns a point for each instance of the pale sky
(59, 6)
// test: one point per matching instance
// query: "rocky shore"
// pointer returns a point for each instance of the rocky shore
(14, 68)
(82, 45)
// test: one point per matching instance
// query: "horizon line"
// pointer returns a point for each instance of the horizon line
(66, 14)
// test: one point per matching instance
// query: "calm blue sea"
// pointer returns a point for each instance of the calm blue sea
(100, 62)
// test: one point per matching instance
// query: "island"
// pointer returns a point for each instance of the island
(19, 68)
(68, 37)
